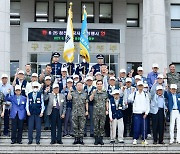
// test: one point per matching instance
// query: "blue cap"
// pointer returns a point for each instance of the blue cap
(100, 56)
(56, 54)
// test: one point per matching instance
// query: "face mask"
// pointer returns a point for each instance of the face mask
(145, 89)
(35, 89)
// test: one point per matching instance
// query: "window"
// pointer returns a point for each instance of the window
(134, 66)
(60, 10)
(14, 65)
(89, 10)
(132, 15)
(105, 12)
(15, 13)
(175, 15)
(42, 12)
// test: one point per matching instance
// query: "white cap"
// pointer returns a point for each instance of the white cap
(173, 86)
(122, 71)
(69, 80)
(128, 80)
(64, 69)
(140, 83)
(112, 78)
(4, 76)
(89, 78)
(155, 65)
(35, 84)
(75, 76)
(160, 76)
(159, 87)
(47, 78)
(55, 85)
(138, 77)
(140, 68)
(34, 75)
(17, 87)
(145, 85)
(98, 73)
(116, 91)
(21, 72)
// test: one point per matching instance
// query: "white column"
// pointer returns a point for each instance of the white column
(154, 35)
(4, 36)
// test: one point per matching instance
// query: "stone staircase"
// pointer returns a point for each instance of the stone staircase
(89, 147)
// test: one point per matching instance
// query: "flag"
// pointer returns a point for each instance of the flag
(68, 53)
(84, 42)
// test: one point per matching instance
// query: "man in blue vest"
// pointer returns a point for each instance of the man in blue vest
(174, 109)
(96, 68)
(116, 116)
(88, 88)
(35, 109)
(17, 114)
(56, 66)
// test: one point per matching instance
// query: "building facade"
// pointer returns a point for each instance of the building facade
(129, 33)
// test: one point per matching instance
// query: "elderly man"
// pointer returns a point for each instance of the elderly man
(6, 88)
(56, 110)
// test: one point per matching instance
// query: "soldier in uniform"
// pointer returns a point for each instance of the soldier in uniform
(101, 105)
(79, 111)
(56, 66)
(28, 72)
(173, 77)
(96, 68)
(82, 68)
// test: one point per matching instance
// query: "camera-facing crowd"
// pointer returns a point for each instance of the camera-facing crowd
(73, 100)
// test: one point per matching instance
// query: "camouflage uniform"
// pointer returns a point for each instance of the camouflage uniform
(174, 79)
(100, 99)
(2, 101)
(79, 101)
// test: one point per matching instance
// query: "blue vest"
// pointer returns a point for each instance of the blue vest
(86, 90)
(109, 91)
(116, 110)
(23, 87)
(56, 69)
(68, 102)
(35, 105)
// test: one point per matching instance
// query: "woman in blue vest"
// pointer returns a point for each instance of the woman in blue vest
(116, 117)
(35, 109)
(17, 114)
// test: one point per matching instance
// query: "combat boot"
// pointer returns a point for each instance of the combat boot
(101, 140)
(81, 141)
(96, 140)
(76, 140)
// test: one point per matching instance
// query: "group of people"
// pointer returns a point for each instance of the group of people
(73, 98)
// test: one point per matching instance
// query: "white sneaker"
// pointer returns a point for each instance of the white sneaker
(149, 135)
(171, 142)
(134, 142)
(144, 142)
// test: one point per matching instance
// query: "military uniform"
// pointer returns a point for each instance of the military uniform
(100, 99)
(97, 67)
(174, 79)
(78, 112)
(56, 67)
(27, 77)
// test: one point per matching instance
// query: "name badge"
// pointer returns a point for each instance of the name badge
(178, 99)
(62, 100)
(38, 101)
(23, 88)
(22, 103)
(113, 104)
(120, 108)
(30, 99)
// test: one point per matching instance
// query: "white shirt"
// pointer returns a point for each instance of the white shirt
(54, 103)
(141, 103)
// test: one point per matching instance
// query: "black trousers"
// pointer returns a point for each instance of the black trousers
(56, 122)
(158, 125)
(17, 129)
(6, 122)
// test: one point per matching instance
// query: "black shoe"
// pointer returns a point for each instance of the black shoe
(76, 140)
(13, 142)
(81, 141)
(37, 142)
(46, 128)
(20, 142)
(91, 135)
(161, 142)
(154, 142)
(59, 142)
(96, 140)
(30, 142)
(52, 142)
(85, 135)
(101, 140)
(112, 142)
(71, 135)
